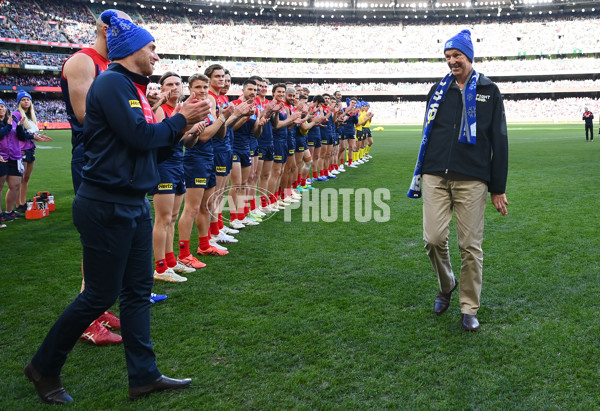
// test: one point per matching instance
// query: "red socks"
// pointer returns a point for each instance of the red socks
(184, 249)
(221, 225)
(214, 228)
(171, 261)
(161, 266)
(203, 242)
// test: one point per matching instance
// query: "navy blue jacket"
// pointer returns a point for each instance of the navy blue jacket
(121, 147)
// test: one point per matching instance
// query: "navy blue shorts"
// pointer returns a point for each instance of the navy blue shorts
(253, 147)
(29, 155)
(199, 173)
(367, 132)
(314, 141)
(301, 144)
(280, 149)
(242, 157)
(9, 168)
(291, 142)
(171, 181)
(223, 161)
(326, 139)
(266, 153)
(336, 139)
(344, 136)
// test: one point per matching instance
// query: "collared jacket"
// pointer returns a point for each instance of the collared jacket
(487, 160)
(122, 143)
(11, 136)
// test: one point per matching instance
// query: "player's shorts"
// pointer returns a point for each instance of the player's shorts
(9, 168)
(335, 139)
(199, 173)
(265, 153)
(367, 132)
(242, 157)
(29, 155)
(359, 135)
(223, 162)
(314, 141)
(253, 147)
(171, 181)
(301, 144)
(280, 151)
(345, 136)
(326, 139)
(291, 142)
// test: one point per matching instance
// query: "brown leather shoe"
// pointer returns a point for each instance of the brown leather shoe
(49, 389)
(469, 322)
(442, 300)
(161, 384)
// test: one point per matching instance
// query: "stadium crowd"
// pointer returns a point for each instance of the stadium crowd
(196, 34)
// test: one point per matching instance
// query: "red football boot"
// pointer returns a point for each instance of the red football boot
(109, 320)
(97, 334)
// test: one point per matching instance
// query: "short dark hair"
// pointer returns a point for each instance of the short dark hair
(248, 82)
(302, 97)
(278, 85)
(319, 99)
(256, 78)
(211, 69)
(166, 76)
(198, 77)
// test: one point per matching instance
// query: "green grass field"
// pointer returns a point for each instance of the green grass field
(338, 315)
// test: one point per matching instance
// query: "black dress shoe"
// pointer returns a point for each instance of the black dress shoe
(161, 384)
(469, 322)
(442, 300)
(49, 389)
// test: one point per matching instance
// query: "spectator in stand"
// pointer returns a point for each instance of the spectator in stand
(25, 107)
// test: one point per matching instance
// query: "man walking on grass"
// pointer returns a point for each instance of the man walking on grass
(463, 155)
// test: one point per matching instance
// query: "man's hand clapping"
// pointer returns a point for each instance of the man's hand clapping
(195, 110)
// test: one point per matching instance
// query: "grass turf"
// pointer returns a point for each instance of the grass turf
(315, 315)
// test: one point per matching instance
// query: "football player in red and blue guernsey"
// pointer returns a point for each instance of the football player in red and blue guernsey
(281, 122)
(220, 82)
(244, 129)
(168, 194)
(290, 171)
(200, 175)
(265, 147)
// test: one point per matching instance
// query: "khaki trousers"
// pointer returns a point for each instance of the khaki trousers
(467, 198)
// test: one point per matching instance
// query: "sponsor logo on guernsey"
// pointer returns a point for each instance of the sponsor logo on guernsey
(135, 104)
(221, 169)
(165, 186)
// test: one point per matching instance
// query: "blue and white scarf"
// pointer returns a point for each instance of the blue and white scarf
(467, 135)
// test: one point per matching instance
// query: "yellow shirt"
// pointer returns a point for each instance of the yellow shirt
(361, 117)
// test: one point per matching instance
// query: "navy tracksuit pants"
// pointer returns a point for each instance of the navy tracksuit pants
(117, 263)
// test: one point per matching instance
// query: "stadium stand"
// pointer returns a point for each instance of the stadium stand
(539, 62)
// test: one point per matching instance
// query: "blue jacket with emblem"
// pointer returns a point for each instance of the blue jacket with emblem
(122, 148)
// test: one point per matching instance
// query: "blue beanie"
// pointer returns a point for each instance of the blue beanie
(2, 103)
(21, 94)
(123, 36)
(462, 42)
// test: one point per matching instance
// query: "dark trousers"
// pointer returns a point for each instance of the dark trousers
(117, 260)
(591, 129)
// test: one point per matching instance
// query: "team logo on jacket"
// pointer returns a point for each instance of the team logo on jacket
(482, 98)
(135, 104)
